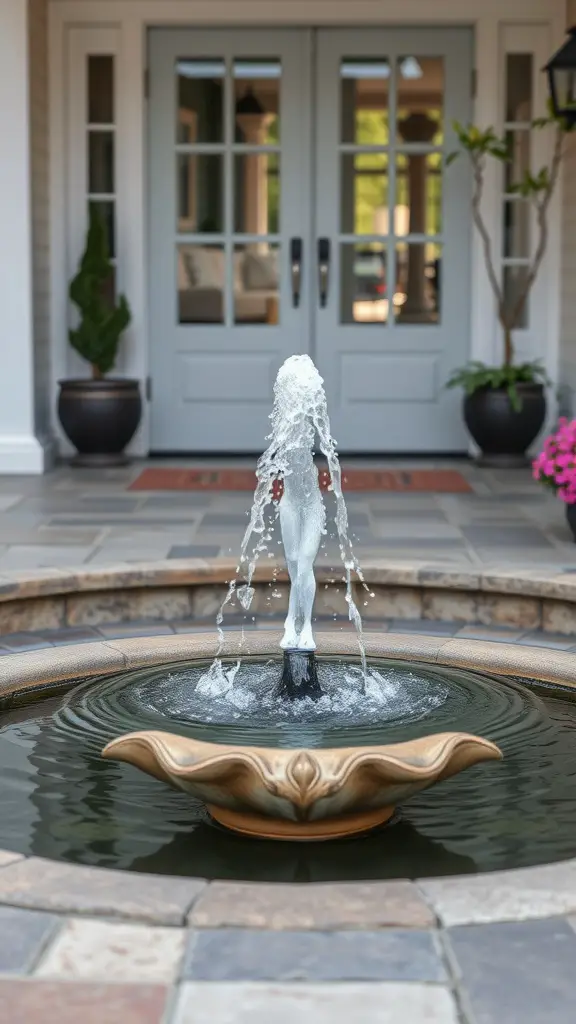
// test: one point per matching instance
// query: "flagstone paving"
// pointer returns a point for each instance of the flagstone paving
(89, 517)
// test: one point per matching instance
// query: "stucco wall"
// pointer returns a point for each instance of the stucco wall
(38, 52)
(567, 375)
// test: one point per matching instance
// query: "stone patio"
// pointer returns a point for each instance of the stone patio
(87, 517)
(109, 947)
(101, 946)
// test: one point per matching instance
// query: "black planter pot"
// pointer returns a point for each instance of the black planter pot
(502, 433)
(571, 519)
(100, 417)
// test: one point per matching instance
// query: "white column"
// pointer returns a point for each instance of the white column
(20, 451)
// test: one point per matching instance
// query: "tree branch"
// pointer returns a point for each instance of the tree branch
(542, 227)
(478, 172)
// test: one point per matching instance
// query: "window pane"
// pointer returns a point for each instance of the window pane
(101, 90)
(256, 277)
(418, 194)
(200, 278)
(514, 284)
(565, 82)
(257, 193)
(420, 90)
(364, 100)
(200, 101)
(106, 210)
(363, 284)
(519, 87)
(364, 193)
(200, 193)
(516, 229)
(519, 148)
(100, 162)
(256, 96)
(418, 282)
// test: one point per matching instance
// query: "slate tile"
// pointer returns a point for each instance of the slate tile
(257, 1003)
(518, 973)
(507, 536)
(194, 551)
(244, 955)
(24, 1001)
(23, 935)
(105, 951)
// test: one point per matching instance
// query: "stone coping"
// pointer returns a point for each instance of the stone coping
(30, 583)
(63, 888)
(33, 670)
(193, 589)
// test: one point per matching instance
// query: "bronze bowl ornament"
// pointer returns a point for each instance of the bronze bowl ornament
(301, 794)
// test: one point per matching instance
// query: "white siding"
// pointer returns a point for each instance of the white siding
(567, 370)
(38, 64)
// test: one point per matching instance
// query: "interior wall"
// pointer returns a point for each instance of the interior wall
(567, 375)
(38, 98)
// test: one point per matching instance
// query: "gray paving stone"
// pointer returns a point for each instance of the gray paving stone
(23, 936)
(115, 631)
(518, 973)
(178, 499)
(435, 627)
(194, 551)
(228, 519)
(557, 641)
(508, 536)
(25, 641)
(374, 1003)
(244, 955)
(68, 888)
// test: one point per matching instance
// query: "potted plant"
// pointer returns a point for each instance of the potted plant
(505, 405)
(98, 415)
(555, 467)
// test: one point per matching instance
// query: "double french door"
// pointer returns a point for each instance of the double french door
(299, 202)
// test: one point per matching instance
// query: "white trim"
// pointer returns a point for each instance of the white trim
(23, 454)
(545, 19)
(20, 451)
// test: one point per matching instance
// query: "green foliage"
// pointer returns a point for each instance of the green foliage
(476, 376)
(102, 319)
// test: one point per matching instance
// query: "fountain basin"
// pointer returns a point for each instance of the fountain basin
(301, 794)
(90, 810)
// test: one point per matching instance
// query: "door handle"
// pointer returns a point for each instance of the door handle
(323, 269)
(295, 269)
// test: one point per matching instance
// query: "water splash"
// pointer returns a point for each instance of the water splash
(299, 418)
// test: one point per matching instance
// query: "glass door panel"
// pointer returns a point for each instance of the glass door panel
(397, 305)
(229, 191)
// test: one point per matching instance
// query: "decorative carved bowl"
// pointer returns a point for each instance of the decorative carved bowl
(301, 794)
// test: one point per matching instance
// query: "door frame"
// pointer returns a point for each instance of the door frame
(499, 26)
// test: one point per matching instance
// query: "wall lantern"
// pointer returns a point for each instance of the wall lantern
(561, 71)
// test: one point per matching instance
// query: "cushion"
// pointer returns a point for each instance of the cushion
(260, 271)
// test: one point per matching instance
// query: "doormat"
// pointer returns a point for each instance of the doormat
(440, 481)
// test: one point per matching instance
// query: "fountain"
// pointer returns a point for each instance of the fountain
(295, 791)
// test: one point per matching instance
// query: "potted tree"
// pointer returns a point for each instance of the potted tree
(505, 405)
(98, 415)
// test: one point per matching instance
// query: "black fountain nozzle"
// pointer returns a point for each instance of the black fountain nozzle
(300, 676)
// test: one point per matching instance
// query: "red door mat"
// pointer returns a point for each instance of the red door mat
(441, 481)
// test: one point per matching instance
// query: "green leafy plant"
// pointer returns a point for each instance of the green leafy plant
(476, 376)
(103, 319)
(536, 189)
